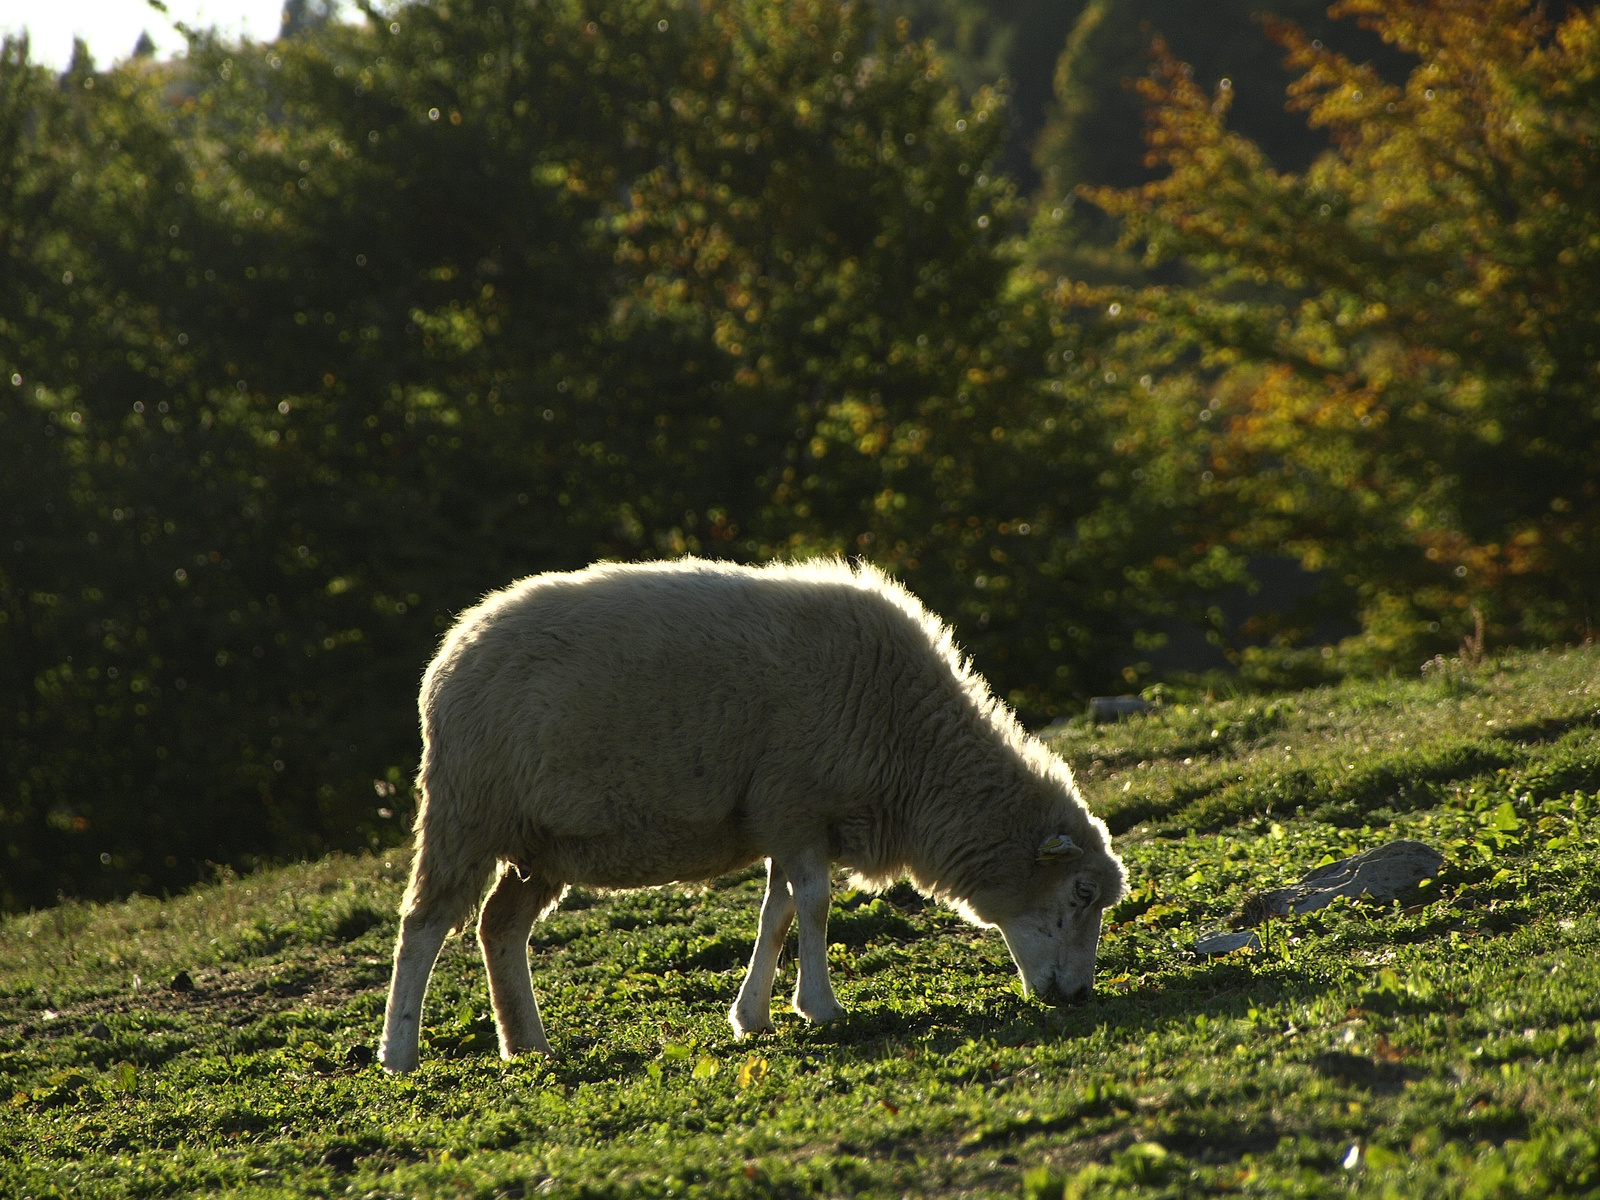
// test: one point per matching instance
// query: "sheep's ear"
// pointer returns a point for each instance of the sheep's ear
(1056, 847)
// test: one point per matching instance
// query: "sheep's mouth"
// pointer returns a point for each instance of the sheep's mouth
(1054, 995)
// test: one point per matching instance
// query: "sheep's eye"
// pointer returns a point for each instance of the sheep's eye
(1083, 894)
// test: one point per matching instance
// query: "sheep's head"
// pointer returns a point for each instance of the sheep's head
(1049, 914)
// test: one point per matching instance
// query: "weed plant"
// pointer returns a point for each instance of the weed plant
(1443, 1045)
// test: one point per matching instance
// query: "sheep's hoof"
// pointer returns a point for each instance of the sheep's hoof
(744, 1027)
(820, 1014)
(512, 1053)
(396, 1063)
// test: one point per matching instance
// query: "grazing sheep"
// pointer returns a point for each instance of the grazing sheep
(634, 725)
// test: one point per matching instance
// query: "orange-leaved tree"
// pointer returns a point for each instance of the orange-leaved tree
(1399, 350)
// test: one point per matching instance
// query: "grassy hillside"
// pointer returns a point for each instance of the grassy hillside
(1442, 1045)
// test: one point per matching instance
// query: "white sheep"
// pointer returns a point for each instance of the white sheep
(635, 725)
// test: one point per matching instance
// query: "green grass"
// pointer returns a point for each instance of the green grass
(1443, 1045)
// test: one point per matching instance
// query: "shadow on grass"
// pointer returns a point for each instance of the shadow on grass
(1369, 1074)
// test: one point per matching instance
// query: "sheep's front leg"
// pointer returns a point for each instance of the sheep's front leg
(813, 991)
(752, 1011)
(503, 927)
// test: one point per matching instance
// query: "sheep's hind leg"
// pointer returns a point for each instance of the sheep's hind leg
(446, 881)
(508, 916)
(422, 934)
(813, 991)
(752, 1011)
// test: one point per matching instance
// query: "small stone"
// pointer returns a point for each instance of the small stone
(100, 1031)
(1226, 942)
(181, 983)
(360, 1056)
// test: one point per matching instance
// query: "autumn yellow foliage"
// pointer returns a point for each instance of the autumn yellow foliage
(1404, 338)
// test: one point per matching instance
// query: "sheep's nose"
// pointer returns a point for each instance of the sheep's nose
(1052, 994)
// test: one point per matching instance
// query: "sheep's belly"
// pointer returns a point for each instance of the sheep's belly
(662, 856)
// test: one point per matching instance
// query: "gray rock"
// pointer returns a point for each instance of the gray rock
(1115, 708)
(99, 1031)
(1226, 942)
(1381, 873)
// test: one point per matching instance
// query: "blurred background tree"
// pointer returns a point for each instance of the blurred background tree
(1094, 128)
(313, 342)
(1014, 43)
(1399, 348)
(305, 345)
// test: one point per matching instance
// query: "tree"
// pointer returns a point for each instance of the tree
(1400, 344)
(1093, 134)
(323, 338)
(1014, 43)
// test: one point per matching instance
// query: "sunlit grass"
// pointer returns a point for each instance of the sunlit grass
(1444, 1044)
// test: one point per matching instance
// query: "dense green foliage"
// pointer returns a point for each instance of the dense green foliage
(1444, 1045)
(311, 343)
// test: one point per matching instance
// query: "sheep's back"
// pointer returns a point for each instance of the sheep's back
(649, 696)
